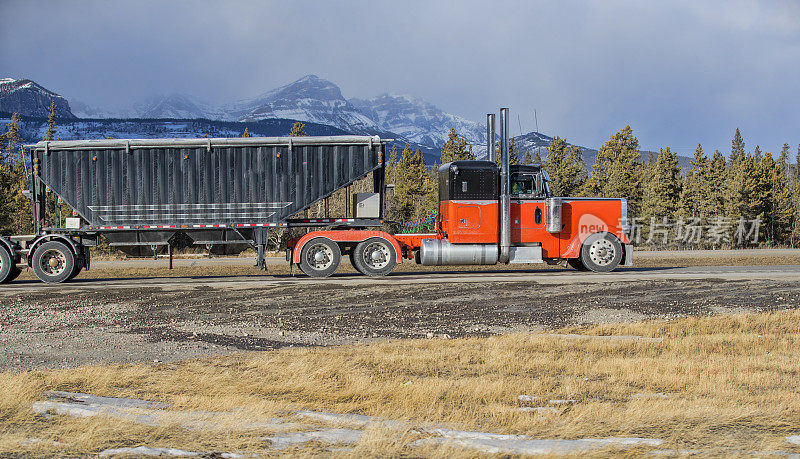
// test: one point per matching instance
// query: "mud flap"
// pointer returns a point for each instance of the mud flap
(627, 259)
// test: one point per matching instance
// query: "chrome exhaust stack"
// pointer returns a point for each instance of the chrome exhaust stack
(505, 198)
(490, 134)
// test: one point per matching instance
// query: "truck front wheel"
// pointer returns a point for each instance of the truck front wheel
(320, 257)
(601, 252)
(53, 262)
(374, 257)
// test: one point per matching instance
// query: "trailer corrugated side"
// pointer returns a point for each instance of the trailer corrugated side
(113, 183)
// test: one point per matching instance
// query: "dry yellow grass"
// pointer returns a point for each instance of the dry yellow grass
(722, 384)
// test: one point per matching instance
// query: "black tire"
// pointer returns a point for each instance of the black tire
(320, 257)
(601, 252)
(577, 264)
(75, 271)
(15, 272)
(7, 267)
(53, 262)
(374, 257)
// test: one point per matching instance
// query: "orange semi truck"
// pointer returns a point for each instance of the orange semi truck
(487, 215)
(151, 196)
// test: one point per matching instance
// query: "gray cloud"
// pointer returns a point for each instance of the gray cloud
(678, 72)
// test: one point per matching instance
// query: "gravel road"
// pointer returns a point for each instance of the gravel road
(205, 308)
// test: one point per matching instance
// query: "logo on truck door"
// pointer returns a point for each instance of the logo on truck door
(151, 212)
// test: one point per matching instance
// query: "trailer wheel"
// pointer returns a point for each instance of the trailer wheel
(320, 257)
(601, 252)
(75, 271)
(8, 270)
(374, 257)
(53, 262)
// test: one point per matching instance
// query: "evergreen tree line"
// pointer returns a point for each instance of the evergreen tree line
(715, 200)
(750, 198)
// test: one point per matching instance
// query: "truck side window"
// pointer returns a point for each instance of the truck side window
(522, 185)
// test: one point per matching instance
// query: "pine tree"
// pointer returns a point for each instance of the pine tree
(298, 129)
(15, 209)
(782, 205)
(246, 133)
(736, 184)
(529, 160)
(661, 187)
(737, 147)
(617, 171)
(796, 198)
(413, 187)
(456, 148)
(537, 159)
(718, 173)
(565, 167)
(512, 153)
(696, 193)
(51, 122)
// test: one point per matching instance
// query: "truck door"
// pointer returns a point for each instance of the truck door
(528, 225)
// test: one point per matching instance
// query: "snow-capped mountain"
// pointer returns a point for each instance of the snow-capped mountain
(26, 97)
(161, 106)
(180, 106)
(310, 98)
(417, 120)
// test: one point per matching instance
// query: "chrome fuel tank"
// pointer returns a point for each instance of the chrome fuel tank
(440, 252)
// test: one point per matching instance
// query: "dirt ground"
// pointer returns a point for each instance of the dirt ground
(57, 328)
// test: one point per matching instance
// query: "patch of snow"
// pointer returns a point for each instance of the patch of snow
(522, 444)
(145, 451)
(330, 436)
(99, 400)
(142, 412)
(793, 439)
(34, 441)
(357, 420)
(527, 398)
(568, 401)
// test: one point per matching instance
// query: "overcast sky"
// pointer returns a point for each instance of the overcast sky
(678, 72)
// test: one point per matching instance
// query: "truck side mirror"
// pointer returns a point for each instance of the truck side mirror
(553, 206)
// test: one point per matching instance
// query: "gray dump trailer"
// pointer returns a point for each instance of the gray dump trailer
(151, 196)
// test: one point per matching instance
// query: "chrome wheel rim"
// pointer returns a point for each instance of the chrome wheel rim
(319, 257)
(376, 255)
(602, 252)
(53, 262)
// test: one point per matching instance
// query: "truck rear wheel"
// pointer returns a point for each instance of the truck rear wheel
(320, 257)
(601, 252)
(374, 257)
(53, 262)
(8, 270)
